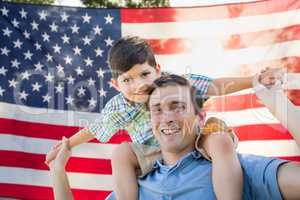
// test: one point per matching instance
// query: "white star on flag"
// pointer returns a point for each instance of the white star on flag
(3, 71)
(6, 32)
(43, 15)
(36, 87)
(1, 91)
(86, 18)
(23, 95)
(88, 62)
(34, 25)
(47, 98)
(13, 83)
(108, 19)
(23, 13)
(64, 17)
(109, 41)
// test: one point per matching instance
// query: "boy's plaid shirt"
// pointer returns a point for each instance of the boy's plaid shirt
(119, 114)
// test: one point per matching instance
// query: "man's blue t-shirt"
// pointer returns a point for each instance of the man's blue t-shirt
(191, 178)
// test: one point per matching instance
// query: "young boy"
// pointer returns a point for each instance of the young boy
(134, 69)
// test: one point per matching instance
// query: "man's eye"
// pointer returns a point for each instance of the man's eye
(156, 111)
(180, 108)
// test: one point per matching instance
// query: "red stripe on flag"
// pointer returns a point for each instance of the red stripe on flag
(169, 46)
(47, 131)
(291, 158)
(262, 132)
(38, 192)
(294, 96)
(20, 159)
(206, 12)
(262, 38)
(233, 103)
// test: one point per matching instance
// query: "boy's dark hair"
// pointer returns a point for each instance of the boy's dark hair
(175, 80)
(127, 52)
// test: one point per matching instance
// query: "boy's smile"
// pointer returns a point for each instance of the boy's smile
(134, 84)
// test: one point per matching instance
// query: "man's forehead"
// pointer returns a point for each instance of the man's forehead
(169, 94)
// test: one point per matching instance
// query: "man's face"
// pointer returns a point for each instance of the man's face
(134, 84)
(173, 118)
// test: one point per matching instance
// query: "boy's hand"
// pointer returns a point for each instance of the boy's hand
(269, 77)
(62, 156)
(51, 155)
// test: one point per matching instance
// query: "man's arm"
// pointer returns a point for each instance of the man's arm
(288, 177)
(280, 106)
(61, 186)
(222, 86)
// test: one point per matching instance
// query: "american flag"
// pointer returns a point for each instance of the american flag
(54, 79)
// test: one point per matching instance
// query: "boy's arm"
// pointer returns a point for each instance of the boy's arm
(112, 119)
(222, 86)
(81, 137)
(78, 138)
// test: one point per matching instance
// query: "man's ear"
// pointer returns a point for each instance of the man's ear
(202, 116)
(157, 68)
(115, 84)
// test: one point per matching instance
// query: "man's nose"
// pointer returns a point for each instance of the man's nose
(168, 117)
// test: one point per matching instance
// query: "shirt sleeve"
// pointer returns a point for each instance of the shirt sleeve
(262, 175)
(112, 120)
(200, 82)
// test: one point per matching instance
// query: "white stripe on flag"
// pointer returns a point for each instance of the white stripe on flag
(270, 148)
(47, 116)
(212, 60)
(43, 146)
(15, 175)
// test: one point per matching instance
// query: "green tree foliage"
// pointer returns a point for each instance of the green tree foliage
(126, 3)
(47, 2)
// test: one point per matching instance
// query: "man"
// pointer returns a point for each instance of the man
(183, 173)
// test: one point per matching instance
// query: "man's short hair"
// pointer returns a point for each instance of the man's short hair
(127, 52)
(175, 80)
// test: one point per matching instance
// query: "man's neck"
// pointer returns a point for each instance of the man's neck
(171, 158)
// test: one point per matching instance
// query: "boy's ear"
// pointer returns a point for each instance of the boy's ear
(157, 68)
(115, 84)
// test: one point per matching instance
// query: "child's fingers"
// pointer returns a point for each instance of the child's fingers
(51, 155)
(57, 145)
(66, 143)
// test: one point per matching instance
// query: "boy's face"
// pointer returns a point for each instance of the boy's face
(134, 84)
(173, 119)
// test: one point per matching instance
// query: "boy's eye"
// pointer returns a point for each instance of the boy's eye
(144, 74)
(126, 80)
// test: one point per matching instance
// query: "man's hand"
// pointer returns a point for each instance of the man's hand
(60, 181)
(63, 153)
(270, 77)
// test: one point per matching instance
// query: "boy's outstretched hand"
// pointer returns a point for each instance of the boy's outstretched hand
(62, 154)
(51, 155)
